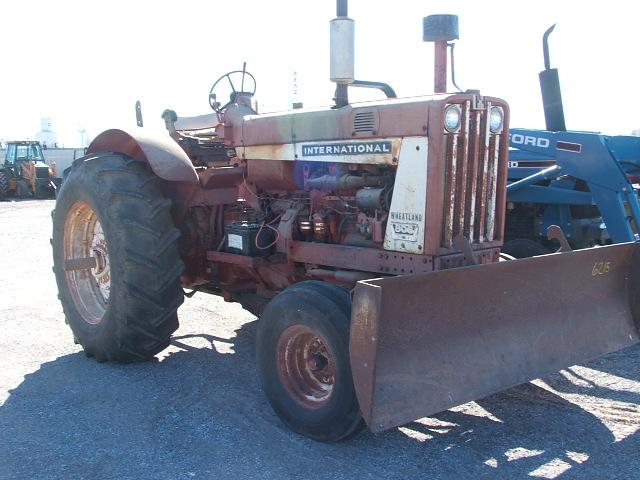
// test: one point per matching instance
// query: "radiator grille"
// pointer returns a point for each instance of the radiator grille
(471, 180)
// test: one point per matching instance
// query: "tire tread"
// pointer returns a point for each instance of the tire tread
(146, 316)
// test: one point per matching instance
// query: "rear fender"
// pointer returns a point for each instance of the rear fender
(165, 157)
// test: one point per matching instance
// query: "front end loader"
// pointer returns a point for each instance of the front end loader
(587, 183)
(366, 237)
(25, 173)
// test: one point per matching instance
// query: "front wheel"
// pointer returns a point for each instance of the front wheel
(43, 190)
(116, 260)
(524, 248)
(23, 189)
(303, 360)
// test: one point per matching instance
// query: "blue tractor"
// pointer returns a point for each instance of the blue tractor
(585, 183)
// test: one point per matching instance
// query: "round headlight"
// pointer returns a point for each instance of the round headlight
(452, 116)
(496, 118)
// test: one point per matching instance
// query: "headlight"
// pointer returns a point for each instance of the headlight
(496, 119)
(452, 116)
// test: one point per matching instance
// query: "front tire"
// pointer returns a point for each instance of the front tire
(116, 259)
(303, 361)
(22, 188)
(43, 190)
(524, 248)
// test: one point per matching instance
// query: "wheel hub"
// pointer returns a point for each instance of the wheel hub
(90, 285)
(101, 254)
(305, 366)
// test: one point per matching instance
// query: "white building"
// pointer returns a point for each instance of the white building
(46, 136)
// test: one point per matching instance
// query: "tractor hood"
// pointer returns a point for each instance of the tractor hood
(386, 118)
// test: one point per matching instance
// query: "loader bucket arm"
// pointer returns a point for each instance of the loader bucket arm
(421, 344)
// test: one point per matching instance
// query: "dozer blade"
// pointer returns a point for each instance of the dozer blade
(421, 344)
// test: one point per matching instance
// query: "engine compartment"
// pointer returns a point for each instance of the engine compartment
(336, 203)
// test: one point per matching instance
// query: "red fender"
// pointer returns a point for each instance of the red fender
(165, 157)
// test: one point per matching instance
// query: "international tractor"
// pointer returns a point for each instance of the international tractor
(25, 172)
(366, 237)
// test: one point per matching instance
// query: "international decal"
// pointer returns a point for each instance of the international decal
(351, 148)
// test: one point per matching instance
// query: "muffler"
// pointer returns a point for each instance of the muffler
(421, 344)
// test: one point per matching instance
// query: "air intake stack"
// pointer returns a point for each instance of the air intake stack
(440, 29)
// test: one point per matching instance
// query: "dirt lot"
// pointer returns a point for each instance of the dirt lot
(198, 412)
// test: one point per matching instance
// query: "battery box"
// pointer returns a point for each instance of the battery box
(241, 239)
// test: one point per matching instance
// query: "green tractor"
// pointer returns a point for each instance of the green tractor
(25, 172)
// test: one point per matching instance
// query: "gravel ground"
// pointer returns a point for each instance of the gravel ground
(198, 411)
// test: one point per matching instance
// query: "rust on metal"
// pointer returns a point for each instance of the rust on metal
(345, 277)
(358, 258)
(440, 66)
(164, 155)
(232, 258)
(396, 117)
(462, 180)
(222, 177)
(305, 366)
(519, 320)
(274, 174)
(554, 232)
(462, 244)
(494, 144)
(472, 176)
(450, 190)
(85, 263)
(455, 260)
(483, 178)
(475, 159)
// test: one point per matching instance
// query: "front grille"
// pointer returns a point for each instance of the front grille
(472, 159)
(42, 172)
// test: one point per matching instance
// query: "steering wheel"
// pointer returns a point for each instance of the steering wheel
(244, 79)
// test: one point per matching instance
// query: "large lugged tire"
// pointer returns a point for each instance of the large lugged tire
(116, 260)
(302, 351)
(4, 185)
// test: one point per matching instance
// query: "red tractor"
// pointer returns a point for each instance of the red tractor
(366, 237)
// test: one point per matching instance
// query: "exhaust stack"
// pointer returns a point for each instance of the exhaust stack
(342, 34)
(550, 88)
(440, 29)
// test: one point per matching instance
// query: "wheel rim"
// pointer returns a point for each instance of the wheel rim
(86, 262)
(305, 366)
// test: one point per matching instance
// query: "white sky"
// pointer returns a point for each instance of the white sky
(85, 63)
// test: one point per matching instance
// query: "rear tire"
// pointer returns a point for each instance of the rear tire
(110, 211)
(4, 185)
(303, 361)
(524, 248)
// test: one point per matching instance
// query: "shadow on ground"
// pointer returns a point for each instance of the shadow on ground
(200, 413)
